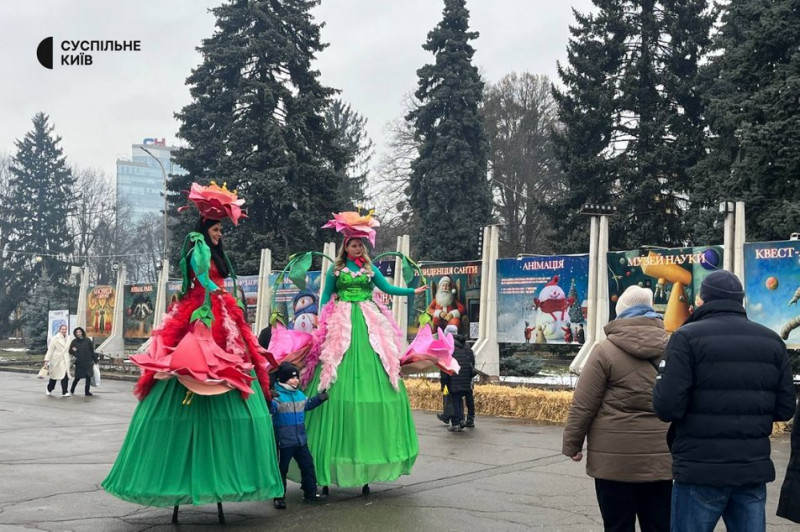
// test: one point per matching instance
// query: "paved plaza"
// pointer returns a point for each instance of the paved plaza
(503, 475)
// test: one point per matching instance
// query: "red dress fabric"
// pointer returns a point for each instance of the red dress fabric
(231, 334)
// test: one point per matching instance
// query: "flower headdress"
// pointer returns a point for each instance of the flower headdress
(354, 225)
(215, 202)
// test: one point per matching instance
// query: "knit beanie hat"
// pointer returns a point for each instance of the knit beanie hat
(721, 284)
(286, 371)
(452, 329)
(634, 296)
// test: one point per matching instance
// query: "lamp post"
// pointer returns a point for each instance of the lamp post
(164, 178)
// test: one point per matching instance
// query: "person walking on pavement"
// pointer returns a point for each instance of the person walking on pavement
(57, 362)
(723, 382)
(612, 408)
(85, 359)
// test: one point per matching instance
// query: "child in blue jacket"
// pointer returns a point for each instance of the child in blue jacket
(288, 415)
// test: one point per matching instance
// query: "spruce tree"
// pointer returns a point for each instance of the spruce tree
(39, 203)
(450, 193)
(632, 118)
(752, 92)
(257, 122)
(36, 313)
(350, 137)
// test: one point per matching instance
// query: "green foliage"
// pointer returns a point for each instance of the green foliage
(38, 201)
(632, 119)
(35, 313)
(350, 136)
(751, 89)
(449, 188)
(257, 121)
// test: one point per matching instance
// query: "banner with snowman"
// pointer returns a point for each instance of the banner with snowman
(299, 306)
(542, 299)
(772, 287)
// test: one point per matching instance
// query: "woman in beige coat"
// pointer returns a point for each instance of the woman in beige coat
(57, 362)
(613, 408)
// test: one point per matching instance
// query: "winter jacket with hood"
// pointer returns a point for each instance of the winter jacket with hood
(612, 406)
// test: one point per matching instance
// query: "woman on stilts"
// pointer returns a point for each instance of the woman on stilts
(364, 433)
(202, 431)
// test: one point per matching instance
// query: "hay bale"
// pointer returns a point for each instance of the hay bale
(495, 400)
(504, 401)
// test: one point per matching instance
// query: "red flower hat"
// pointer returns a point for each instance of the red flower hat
(215, 202)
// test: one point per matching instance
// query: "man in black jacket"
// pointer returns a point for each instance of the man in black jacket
(722, 383)
(459, 386)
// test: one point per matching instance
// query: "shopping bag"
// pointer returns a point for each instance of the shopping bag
(42, 373)
(95, 375)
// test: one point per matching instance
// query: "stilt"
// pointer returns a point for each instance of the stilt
(175, 514)
(365, 489)
(220, 513)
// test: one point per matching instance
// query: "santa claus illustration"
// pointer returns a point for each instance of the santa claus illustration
(445, 309)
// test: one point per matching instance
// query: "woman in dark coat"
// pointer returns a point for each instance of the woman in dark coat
(85, 358)
(789, 502)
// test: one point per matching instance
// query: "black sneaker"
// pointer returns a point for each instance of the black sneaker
(470, 423)
(88, 394)
(279, 503)
(313, 499)
(444, 419)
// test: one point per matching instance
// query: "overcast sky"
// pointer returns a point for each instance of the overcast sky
(123, 97)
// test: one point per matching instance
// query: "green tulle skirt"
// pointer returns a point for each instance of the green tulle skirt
(215, 449)
(364, 432)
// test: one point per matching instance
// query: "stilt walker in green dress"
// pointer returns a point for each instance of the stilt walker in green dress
(364, 432)
(202, 432)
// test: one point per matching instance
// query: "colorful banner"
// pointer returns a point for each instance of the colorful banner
(299, 307)
(674, 275)
(772, 287)
(542, 299)
(139, 304)
(100, 303)
(248, 285)
(454, 297)
(386, 267)
(55, 319)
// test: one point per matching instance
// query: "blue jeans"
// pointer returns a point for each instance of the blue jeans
(697, 508)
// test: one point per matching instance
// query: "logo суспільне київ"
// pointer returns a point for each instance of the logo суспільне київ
(77, 53)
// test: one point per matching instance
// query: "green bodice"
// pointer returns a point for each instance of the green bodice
(353, 289)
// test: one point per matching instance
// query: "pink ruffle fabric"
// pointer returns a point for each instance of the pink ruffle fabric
(425, 352)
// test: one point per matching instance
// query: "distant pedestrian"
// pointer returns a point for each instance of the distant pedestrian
(82, 349)
(459, 386)
(57, 362)
(723, 382)
(612, 408)
(789, 502)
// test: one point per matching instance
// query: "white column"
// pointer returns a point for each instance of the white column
(601, 311)
(487, 351)
(739, 237)
(114, 345)
(80, 319)
(591, 313)
(400, 303)
(264, 298)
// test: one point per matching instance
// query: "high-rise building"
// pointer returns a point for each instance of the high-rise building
(140, 180)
